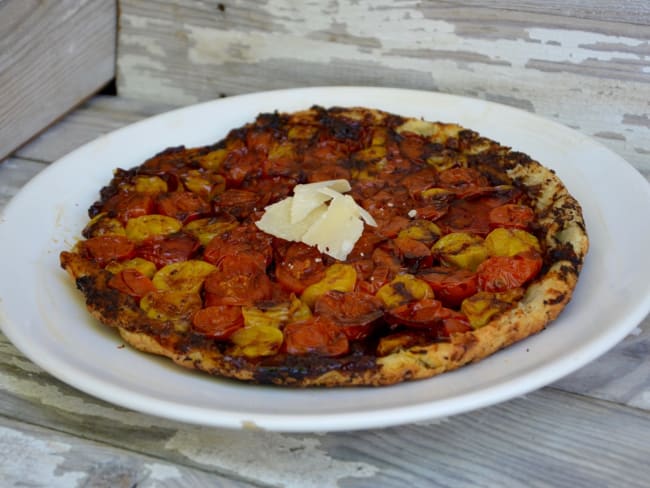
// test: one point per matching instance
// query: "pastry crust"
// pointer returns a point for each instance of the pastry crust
(560, 229)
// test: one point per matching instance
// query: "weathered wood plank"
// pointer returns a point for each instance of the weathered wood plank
(53, 55)
(98, 116)
(628, 11)
(14, 173)
(37, 457)
(590, 73)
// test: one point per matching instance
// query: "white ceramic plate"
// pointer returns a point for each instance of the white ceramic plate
(44, 316)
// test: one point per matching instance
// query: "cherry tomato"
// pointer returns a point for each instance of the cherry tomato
(324, 154)
(463, 181)
(355, 312)
(125, 206)
(170, 160)
(412, 146)
(511, 215)
(132, 282)
(241, 240)
(282, 160)
(259, 139)
(182, 205)
(241, 164)
(411, 248)
(365, 246)
(419, 181)
(430, 212)
(301, 266)
(218, 321)
(270, 190)
(455, 323)
(239, 281)
(450, 285)
(316, 335)
(501, 273)
(392, 226)
(164, 250)
(238, 203)
(467, 216)
(103, 249)
(420, 313)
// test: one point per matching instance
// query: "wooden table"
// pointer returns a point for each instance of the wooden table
(584, 63)
(589, 429)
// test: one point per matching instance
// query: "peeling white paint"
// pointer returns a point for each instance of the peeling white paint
(28, 461)
(159, 473)
(52, 396)
(584, 45)
(268, 458)
(144, 42)
(142, 83)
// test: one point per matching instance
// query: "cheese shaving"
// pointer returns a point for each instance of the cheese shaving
(307, 217)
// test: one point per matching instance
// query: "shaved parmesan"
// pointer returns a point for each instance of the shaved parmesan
(308, 197)
(305, 217)
(276, 220)
(338, 229)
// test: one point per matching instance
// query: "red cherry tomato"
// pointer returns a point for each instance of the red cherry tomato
(411, 248)
(125, 206)
(241, 164)
(419, 181)
(420, 313)
(218, 322)
(355, 312)
(163, 250)
(301, 266)
(316, 335)
(241, 240)
(131, 282)
(182, 205)
(467, 216)
(238, 203)
(429, 314)
(412, 146)
(103, 249)
(239, 281)
(456, 323)
(511, 215)
(450, 285)
(259, 139)
(501, 273)
(463, 181)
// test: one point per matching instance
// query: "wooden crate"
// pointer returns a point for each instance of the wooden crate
(53, 55)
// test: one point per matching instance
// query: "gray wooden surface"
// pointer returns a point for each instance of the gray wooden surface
(584, 63)
(53, 55)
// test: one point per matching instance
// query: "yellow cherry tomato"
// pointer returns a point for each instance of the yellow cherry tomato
(338, 277)
(460, 249)
(402, 289)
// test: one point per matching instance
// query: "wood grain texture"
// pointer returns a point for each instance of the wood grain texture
(14, 173)
(586, 65)
(53, 55)
(99, 115)
(38, 457)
